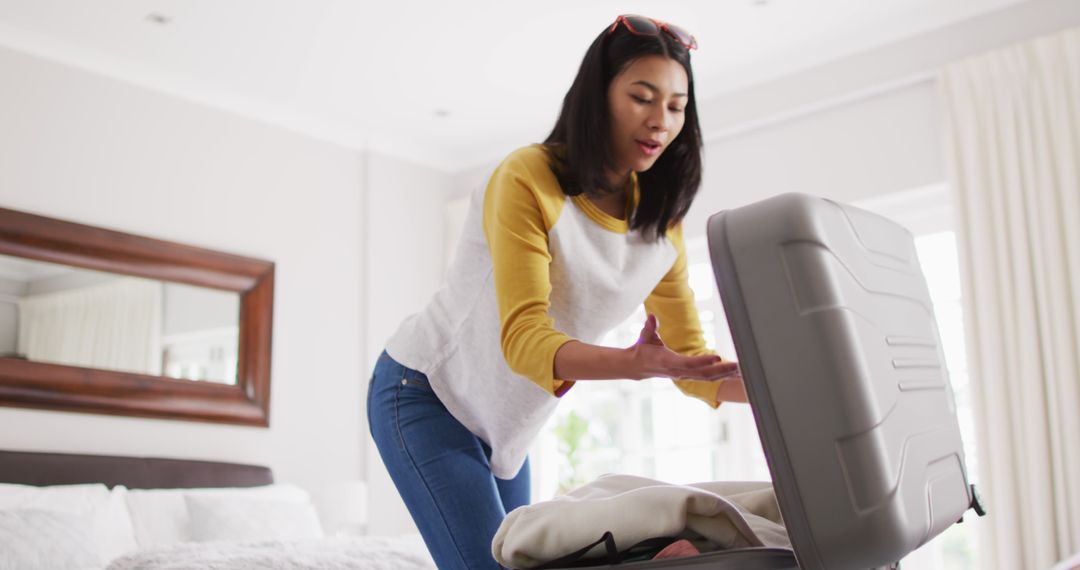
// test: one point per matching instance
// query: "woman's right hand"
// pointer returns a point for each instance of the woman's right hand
(651, 358)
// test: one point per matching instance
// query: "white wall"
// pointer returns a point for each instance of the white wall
(84, 148)
(404, 267)
(855, 128)
(356, 236)
(887, 66)
(869, 147)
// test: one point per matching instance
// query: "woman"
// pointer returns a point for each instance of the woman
(567, 239)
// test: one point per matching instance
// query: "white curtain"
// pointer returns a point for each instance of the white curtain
(114, 325)
(1014, 130)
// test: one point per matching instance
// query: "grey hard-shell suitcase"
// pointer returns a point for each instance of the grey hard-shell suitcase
(841, 356)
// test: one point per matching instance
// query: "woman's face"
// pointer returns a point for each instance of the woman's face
(647, 101)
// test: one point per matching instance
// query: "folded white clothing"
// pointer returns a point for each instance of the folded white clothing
(633, 509)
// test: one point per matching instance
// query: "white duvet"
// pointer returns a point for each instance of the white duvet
(338, 553)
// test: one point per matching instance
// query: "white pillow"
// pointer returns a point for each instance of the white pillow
(37, 539)
(110, 524)
(242, 518)
(115, 532)
(160, 516)
(69, 498)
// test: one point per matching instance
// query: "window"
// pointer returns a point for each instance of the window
(938, 257)
(651, 429)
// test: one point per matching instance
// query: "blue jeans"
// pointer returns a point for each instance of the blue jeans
(440, 468)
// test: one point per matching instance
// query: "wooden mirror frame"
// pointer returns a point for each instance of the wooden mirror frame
(31, 384)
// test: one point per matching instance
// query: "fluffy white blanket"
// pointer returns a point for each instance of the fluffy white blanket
(338, 553)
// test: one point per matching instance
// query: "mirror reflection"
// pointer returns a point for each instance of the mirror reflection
(79, 317)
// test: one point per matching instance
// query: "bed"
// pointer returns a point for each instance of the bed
(94, 512)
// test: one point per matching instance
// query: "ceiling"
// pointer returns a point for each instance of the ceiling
(450, 84)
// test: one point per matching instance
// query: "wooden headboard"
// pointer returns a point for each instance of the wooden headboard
(36, 468)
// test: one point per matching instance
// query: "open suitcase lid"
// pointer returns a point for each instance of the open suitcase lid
(835, 334)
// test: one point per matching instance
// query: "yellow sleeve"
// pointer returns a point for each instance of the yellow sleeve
(672, 301)
(520, 206)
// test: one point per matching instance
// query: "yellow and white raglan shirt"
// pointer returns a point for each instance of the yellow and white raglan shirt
(535, 269)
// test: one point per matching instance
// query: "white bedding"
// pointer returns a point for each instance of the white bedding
(103, 512)
(274, 527)
(162, 517)
(338, 553)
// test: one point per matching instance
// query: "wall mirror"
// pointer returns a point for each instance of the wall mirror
(101, 321)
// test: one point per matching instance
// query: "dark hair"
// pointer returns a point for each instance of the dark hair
(579, 144)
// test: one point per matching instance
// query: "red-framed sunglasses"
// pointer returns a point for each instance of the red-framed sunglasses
(644, 26)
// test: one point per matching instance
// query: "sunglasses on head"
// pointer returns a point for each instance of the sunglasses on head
(642, 26)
